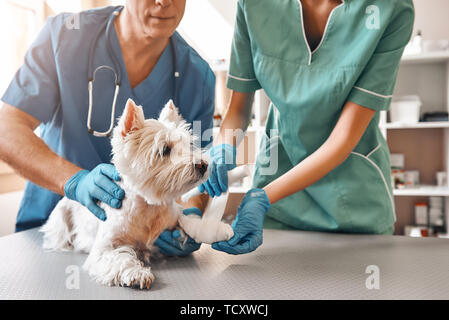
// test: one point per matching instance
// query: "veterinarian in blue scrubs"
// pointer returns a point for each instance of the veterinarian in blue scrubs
(52, 87)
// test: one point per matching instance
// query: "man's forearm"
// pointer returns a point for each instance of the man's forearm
(29, 156)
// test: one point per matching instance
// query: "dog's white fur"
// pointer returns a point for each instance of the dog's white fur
(119, 248)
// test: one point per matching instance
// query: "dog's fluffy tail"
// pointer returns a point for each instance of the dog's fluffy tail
(58, 230)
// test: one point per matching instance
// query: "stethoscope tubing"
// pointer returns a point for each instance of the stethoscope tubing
(117, 73)
(114, 104)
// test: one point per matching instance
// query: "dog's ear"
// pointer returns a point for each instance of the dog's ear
(170, 114)
(132, 118)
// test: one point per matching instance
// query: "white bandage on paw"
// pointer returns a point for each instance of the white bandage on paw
(206, 230)
(210, 228)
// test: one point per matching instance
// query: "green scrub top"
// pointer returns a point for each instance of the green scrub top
(357, 60)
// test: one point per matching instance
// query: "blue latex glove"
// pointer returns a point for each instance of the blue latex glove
(87, 187)
(248, 224)
(171, 244)
(222, 159)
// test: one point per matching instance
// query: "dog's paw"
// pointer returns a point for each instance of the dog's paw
(140, 278)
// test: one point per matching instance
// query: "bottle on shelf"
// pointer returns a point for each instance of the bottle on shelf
(416, 45)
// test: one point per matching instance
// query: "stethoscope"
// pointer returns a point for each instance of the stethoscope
(117, 73)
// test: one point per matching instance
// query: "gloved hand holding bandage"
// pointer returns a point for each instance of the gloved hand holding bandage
(222, 159)
(248, 224)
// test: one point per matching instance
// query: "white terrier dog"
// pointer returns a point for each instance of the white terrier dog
(158, 163)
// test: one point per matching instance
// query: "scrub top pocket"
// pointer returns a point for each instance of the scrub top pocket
(366, 188)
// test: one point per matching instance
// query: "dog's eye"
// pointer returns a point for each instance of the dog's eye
(166, 151)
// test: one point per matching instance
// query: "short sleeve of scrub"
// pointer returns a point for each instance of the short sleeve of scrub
(241, 76)
(34, 88)
(375, 86)
(207, 114)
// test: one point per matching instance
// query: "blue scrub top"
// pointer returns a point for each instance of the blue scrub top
(52, 86)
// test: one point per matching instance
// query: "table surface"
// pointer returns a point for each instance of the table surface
(289, 265)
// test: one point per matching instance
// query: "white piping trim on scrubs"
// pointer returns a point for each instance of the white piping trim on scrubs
(327, 24)
(382, 176)
(374, 150)
(324, 33)
(304, 33)
(374, 93)
(241, 79)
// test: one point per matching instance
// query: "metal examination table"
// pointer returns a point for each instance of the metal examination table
(289, 265)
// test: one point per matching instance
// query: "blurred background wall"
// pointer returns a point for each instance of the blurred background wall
(207, 26)
(431, 18)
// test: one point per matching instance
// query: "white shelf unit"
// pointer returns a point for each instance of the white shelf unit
(425, 75)
(423, 191)
(420, 125)
(432, 57)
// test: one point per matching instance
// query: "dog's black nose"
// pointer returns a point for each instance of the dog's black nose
(201, 167)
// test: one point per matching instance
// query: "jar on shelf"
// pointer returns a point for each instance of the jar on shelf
(421, 214)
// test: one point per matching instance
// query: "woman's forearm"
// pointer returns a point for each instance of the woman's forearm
(236, 119)
(28, 155)
(329, 156)
(344, 138)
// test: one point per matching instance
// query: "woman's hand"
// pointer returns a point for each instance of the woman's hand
(248, 224)
(222, 159)
(223, 154)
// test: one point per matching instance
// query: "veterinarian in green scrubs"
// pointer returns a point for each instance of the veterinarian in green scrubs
(328, 67)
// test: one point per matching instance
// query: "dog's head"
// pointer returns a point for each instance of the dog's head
(157, 158)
